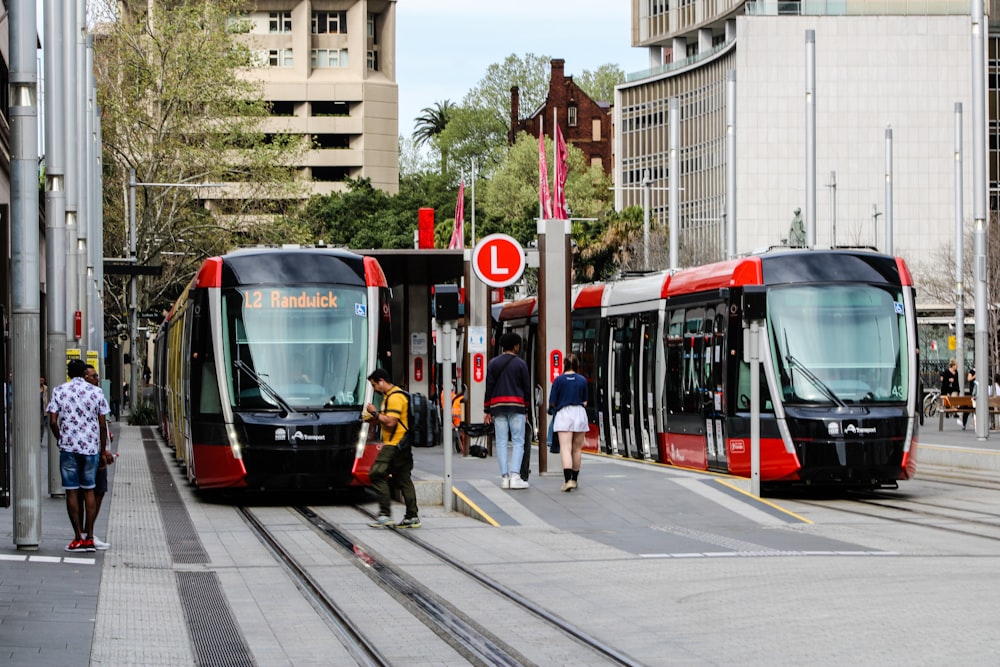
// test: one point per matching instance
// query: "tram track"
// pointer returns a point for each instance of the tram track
(452, 624)
(364, 652)
(961, 520)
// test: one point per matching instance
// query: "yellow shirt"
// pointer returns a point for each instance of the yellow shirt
(395, 404)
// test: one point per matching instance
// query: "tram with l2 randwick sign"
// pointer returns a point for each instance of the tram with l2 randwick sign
(262, 366)
(670, 377)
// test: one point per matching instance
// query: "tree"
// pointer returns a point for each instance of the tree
(511, 195)
(936, 285)
(178, 106)
(474, 134)
(600, 84)
(430, 123)
(530, 74)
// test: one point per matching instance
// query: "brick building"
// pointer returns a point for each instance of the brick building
(584, 123)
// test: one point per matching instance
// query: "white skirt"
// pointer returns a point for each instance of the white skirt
(571, 418)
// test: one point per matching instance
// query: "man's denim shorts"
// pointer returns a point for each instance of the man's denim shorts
(79, 471)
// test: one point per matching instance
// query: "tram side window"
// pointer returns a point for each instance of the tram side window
(743, 390)
(205, 398)
(694, 340)
(675, 361)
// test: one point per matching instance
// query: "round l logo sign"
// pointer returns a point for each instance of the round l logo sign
(498, 260)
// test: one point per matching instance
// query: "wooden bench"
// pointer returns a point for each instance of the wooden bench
(956, 405)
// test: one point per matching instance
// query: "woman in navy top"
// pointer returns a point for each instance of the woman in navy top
(568, 400)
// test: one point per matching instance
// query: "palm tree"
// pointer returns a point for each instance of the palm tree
(430, 123)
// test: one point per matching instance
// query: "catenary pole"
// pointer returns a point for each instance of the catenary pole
(959, 252)
(55, 217)
(810, 138)
(731, 164)
(979, 204)
(25, 272)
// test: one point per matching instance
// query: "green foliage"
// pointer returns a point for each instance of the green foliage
(474, 134)
(530, 74)
(178, 108)
(143, 414)
(600, 84)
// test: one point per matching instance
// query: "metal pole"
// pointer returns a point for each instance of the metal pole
(25, 295)
(810, 138)
(675, 181)
(73, 174)
(448, 341)
(646, 182)
(888, 191)
(55, 221)
(132, 296)
(754, 345)
(833, 209)
(731, 164)
(959, 252)
(473, 202)
(979, 203)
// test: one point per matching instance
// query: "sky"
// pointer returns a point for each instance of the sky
(444, 47)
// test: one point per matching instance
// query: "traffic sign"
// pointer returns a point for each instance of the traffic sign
(498, 260)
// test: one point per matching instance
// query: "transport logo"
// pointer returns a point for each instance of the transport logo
(299, 436)
(854, 429)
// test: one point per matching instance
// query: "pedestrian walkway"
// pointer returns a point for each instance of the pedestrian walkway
(126, 606)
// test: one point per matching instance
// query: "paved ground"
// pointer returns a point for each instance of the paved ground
(123, 606)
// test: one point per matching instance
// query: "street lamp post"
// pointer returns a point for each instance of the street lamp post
(133, 259)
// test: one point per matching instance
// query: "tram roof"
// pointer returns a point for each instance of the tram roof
(418, 267)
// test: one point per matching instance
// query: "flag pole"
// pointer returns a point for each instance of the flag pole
(555, 160)
(541, 135)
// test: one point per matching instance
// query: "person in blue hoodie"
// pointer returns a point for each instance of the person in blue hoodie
(568, 399)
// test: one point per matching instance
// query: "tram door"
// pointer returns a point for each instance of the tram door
(643, 393)
(715, 330)
(622, 386)
(694, 385)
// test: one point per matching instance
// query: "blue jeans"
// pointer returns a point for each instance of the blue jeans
(510, 427)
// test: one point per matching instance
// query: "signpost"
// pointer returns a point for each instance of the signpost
(498, 260)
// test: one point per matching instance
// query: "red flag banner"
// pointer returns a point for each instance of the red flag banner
(544, 195)
(458, 234)
(561, 211)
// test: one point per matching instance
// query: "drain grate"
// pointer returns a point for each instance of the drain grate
(185, 547)
(214, 635)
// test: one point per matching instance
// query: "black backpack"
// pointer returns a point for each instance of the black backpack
(424, 422)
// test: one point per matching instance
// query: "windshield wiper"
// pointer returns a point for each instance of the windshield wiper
(812, 377)
(239, 363)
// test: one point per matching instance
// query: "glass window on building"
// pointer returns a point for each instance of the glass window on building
(329, 23)
(280, 58)
(279, 22)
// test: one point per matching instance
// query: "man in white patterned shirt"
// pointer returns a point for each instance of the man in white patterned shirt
(77, 414)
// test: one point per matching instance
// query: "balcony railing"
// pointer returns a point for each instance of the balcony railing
(678, 64)
(858, 8)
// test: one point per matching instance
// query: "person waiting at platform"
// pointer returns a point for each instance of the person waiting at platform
(568, 401)
(77, 418)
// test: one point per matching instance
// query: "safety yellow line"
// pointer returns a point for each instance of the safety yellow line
(764, 502)
(475, 508)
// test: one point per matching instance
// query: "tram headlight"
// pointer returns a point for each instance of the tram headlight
(359, 448)
(234, 442)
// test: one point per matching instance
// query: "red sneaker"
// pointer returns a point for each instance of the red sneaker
(88, 545)
(76, 545)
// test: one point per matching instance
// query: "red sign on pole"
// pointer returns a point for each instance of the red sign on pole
(555, 365)
(478, 367)
(498, 260)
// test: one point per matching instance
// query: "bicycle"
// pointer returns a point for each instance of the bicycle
(932, 403)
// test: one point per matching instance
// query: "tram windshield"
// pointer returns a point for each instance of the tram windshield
(302, 347)
(839, 344)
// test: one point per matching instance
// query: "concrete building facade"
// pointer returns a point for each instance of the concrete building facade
(878, 65)
(329, 69)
